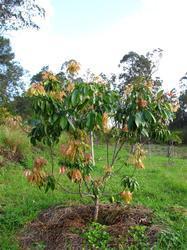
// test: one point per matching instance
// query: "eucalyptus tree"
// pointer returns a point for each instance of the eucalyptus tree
(18, 14)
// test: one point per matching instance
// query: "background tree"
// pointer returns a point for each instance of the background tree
(38, 76)
(181, 115)
(183, 94)
(10, 73)
(22, 106)
(180, 122)
(134, 65)
(17, 14)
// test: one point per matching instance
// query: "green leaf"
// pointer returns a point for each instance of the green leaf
(33, 141)
(71, 124)
(138, 119)
(90, 120)
(42, 106)
(45, 129)
(145, 132)
(85, 90)
(75, 97)
(63, 122)
(149, 116)
(131, 122)
(154, 119)
(55, 117)
(160, 94)
(130, 183)
(50, 183)
(98, 120)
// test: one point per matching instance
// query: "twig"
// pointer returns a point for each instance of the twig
(76, 193)
(116, 154)
(115, 147)
(117, 170)
(86, 185)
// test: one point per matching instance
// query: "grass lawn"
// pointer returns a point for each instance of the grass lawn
(163, 188)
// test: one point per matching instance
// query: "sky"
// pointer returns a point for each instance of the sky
(99, 33)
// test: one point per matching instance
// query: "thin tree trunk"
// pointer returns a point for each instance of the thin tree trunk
(169, 151)
(132, 148)
(96, 211)
(92, 147)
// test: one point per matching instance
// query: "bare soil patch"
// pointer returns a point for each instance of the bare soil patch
(56, 226)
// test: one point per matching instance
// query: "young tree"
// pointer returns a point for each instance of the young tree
(81, 108)
(17, 14)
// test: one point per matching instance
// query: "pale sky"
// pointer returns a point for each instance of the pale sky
(99, 33)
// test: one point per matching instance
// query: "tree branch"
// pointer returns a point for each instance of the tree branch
(75, 193)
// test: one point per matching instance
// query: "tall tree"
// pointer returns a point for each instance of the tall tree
(135, 65)
(183, 99)
(183, 83)
(181, 115)
(10, 73)
(38, 76)
(22, 106)
(16, 14)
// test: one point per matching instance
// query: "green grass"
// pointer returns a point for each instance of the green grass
(163, 188)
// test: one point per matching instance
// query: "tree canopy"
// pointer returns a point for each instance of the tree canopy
(17, 14)
(10, 73)
(183, 96)
(134, 65)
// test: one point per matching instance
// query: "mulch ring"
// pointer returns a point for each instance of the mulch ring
(58, 226)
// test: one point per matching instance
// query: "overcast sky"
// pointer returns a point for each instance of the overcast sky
(98, 33)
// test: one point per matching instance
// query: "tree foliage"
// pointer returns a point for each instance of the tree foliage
(38, 76)
(79, 108)
(22, 106)
(183, 93)
(181, 115)
(10, 73)
(134, 65)
(17, 14)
